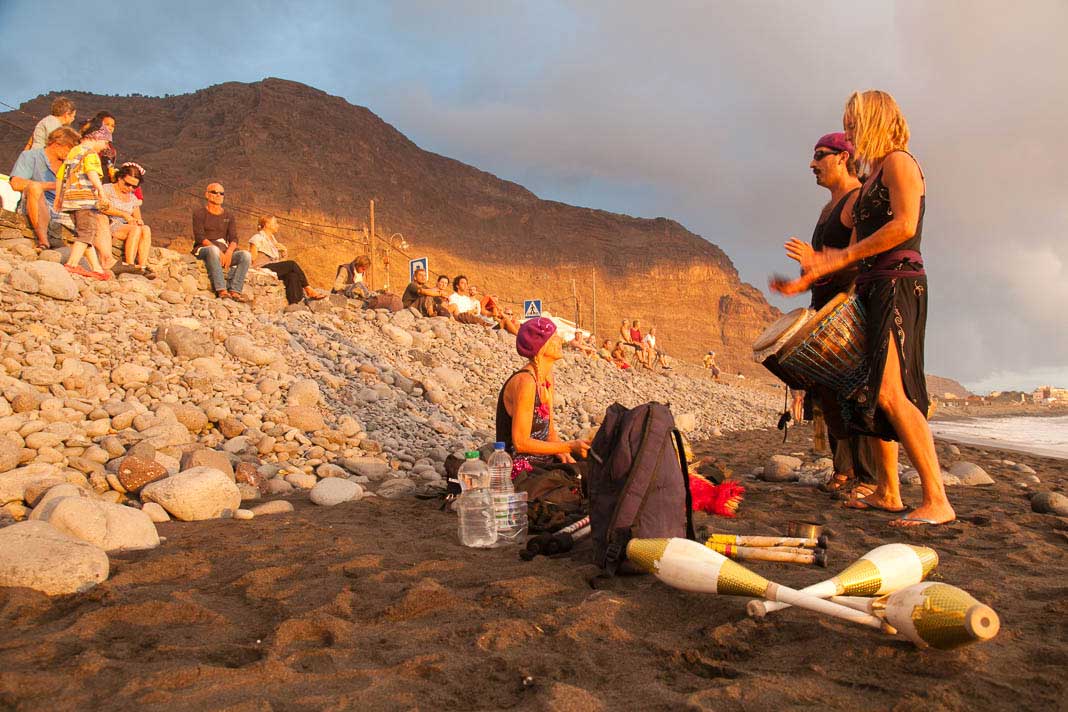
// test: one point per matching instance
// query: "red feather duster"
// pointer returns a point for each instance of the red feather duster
(722, 500)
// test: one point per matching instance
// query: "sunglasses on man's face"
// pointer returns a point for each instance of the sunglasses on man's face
(820, 155)
(217, 192)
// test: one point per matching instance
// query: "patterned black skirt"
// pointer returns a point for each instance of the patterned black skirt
(896, 308)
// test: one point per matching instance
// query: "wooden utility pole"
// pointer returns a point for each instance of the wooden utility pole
(595, 302)
(371, 245)
(574, 295)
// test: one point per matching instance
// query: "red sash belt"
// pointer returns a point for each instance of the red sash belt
(893, 265)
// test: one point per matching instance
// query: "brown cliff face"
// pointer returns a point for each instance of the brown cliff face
(282, 147)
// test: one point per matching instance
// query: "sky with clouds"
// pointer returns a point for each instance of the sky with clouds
(704, 112)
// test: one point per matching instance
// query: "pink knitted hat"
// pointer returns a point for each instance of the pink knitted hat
(532, 336)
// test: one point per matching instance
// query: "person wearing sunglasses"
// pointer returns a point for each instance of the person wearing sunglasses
(215, 244)
(130, 237)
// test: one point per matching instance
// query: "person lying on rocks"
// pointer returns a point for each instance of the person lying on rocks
(62, 114)
(525, 422)
(80, 203)
(128, 230)
(267, 252)
(349, 279)
(34, 175)
(215, 244)
(422, 296)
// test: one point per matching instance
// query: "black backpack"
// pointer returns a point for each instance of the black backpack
(638, 481)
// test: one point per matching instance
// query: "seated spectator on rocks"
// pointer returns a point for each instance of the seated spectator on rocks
(34, 175)
(80, 202)
(215, 244)
(349, 279)
(640, 352)
(267, 253)
(653, 356)
(618, 357)
(423, 297)
(108, 154)
(625, 339)
(128, 230)
(579, 343)
(442, 300)
(62, 114)
(605, 351)
(491, 309)
(710, 363)
(468, 309)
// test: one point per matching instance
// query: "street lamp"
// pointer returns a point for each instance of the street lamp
(403, 245)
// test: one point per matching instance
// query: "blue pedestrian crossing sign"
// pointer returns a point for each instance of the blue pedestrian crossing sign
(531, 308)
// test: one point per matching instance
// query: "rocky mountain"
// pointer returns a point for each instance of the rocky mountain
(940, 387)
(286, 148)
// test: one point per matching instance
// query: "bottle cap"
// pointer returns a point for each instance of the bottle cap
(472, 454)
(498, 446)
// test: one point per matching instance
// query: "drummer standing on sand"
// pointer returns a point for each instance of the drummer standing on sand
(892, 285)
(835, 168)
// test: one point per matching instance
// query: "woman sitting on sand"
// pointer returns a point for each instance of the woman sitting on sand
(267, 253)
(525, 421)
(892, 285)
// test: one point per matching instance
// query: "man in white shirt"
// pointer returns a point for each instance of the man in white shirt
(466, 305)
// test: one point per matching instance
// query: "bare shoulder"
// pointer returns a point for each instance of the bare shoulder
(902, 166)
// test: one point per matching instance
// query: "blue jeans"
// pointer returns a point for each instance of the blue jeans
(239, 264)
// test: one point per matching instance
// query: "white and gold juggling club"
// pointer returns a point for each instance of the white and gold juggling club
(690, 566)
(932, 614)
(884, 569)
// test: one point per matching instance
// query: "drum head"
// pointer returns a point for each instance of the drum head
(780, 331)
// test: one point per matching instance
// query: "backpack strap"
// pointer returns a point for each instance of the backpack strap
(681, 448)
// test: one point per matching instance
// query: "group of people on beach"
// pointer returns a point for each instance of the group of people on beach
(76, 196)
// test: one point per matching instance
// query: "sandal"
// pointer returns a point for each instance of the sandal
(147, 273)
(860, 491)
(862, 504)
(838, 481)
(238, 297)
(78, 270)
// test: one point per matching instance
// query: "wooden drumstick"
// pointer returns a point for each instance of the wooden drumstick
(934, 614)
(690, 566)
(743, 540)
(783, 554)
(882, 570)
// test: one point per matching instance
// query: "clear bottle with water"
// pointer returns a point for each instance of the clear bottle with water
(500, 467)
(474, 507)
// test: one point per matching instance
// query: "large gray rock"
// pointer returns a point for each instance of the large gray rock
(44, 504)
(396, 488)
(37, 555)
(1050, 503)
(10, 453)
(781, 468)
(47, 278)
(397, 335)
(247, 350)
(192, 495)
(304, 417)
(333, 490)
(304, 392)
(971, 474)
(185, 343)
(14, 483)
(112, 527)
(366, 467)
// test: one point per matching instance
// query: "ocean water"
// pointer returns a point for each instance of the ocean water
(1040, 436)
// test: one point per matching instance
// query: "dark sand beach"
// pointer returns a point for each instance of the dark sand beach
(375, 606)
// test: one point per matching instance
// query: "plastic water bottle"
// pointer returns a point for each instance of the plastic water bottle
(500, 467)
(475, 504)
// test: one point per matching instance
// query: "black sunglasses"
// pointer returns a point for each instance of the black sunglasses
(217, 192)
(130, 185)
(820, 155)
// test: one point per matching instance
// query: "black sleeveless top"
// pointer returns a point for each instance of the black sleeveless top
(832, 233)
(539, 425)
(872, 210)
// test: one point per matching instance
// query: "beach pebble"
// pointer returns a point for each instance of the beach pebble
(953, 449)
(910, 477)
(950, 480)
(196, 494)
(136, 472)
(334, 490)
(970, 474)
(206, 457)
(396, 488)
(277, 506)
(1050, 503)
(112, 527)
(781, 468)
(1025, 469)
(244, 514)
(37, 555)
(155, 512)
(302, 481)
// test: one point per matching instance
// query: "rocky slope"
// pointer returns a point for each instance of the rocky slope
(286, 148)
(157, 396)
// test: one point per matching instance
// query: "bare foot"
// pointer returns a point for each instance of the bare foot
(877, 502)
(926, 514)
